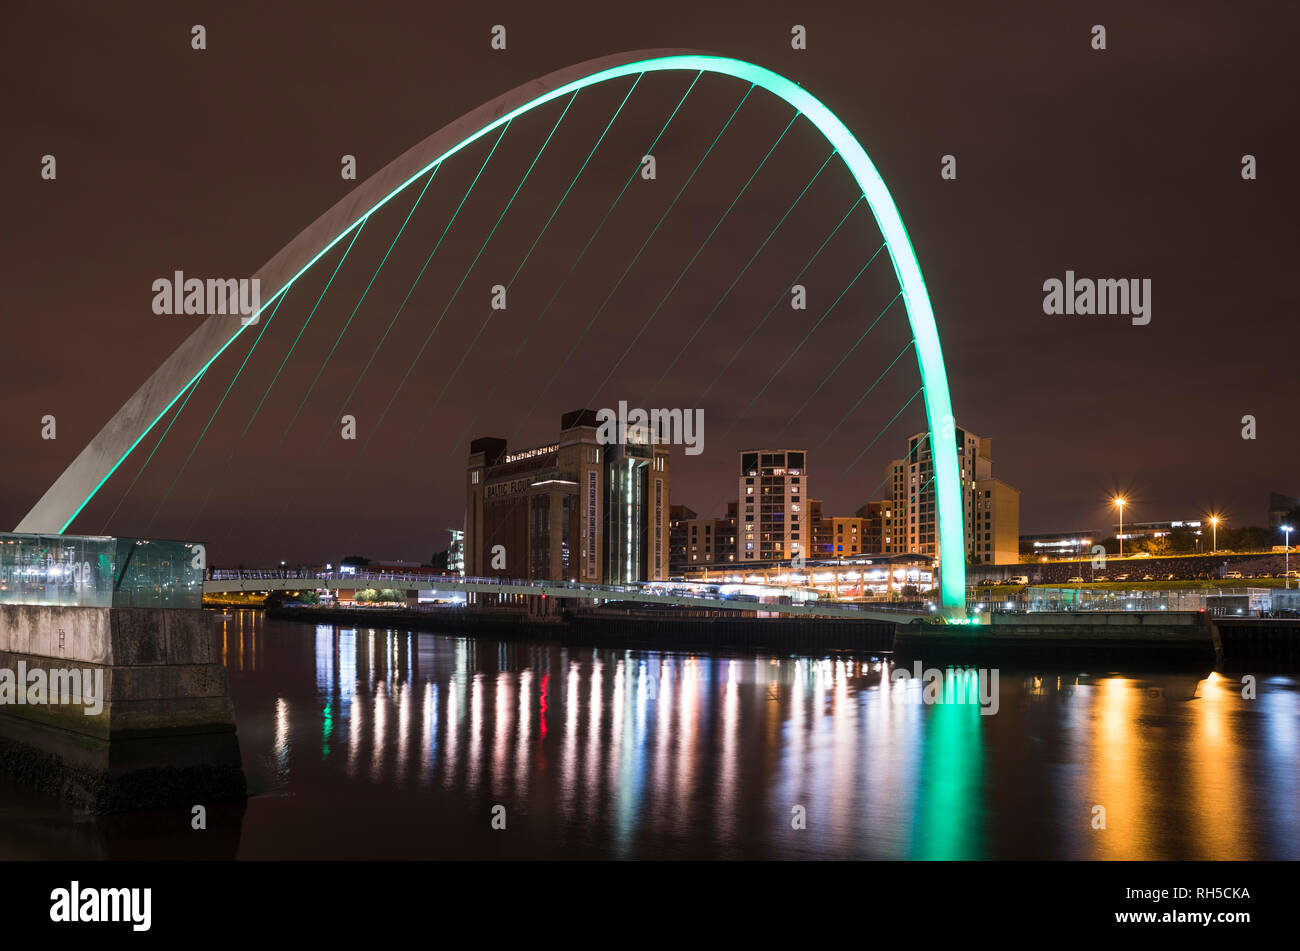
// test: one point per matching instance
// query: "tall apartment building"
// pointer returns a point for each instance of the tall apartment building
(574, 509)
(990, 507)
(772, 523)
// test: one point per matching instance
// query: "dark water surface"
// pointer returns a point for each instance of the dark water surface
(363, 743)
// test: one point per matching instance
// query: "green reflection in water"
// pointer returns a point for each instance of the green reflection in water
(949, 808)
(327, 730)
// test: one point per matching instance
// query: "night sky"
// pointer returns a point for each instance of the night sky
(1122, 163)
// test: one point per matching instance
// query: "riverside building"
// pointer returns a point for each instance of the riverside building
(570, 510)
(990, 507)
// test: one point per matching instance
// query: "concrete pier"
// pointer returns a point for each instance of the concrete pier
(116, 708)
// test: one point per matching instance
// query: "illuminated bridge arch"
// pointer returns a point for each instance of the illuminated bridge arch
(101, 457)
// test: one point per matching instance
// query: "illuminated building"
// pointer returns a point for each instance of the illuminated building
(1058, 544)
(696, 541)
(820, 529)
(847, 536)
(571, 510)
(456, 552)
(678, 516)
(636, 524)
(1136, 530)
(839, 579)
(709, 541)
(771, 521)
(873, 516)
(990, 507)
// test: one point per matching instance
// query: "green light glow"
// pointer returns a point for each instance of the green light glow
(934, 378)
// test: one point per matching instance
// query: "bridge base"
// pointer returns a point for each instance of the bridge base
(116, 708)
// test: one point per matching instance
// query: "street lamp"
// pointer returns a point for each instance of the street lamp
(1120, 500)
(1214, 524)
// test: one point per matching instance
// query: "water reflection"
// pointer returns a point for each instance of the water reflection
(401, 743)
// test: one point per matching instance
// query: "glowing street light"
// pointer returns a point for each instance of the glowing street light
(1120, 500)
(1214, 524)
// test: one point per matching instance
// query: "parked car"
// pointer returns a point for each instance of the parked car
(1019, 579)
(1148, 578)
(1232, 574)
(1075, 580)
(1121, 577)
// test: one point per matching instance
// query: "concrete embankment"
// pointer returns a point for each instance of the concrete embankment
(116, 708)
(1167, 640)
(1158, 640)
(649, 631)
(1272, 642)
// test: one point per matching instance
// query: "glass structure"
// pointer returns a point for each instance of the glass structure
(99, 571)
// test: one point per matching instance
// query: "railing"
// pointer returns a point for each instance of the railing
(1212, 601)
(1217, 602)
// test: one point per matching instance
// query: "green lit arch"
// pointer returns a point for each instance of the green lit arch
(96, 463)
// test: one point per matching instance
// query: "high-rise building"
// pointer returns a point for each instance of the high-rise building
(574, 509)
(990, 507)
(772, 522)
